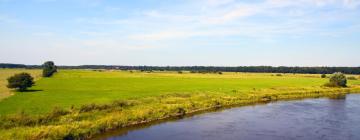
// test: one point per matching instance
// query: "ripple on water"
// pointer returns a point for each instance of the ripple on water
(311, 119)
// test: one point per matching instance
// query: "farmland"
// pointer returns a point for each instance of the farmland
(88, 95)
(77, 87)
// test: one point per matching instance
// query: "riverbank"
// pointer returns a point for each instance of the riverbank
(92, 119)
(312, 118)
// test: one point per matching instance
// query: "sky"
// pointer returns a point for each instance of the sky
(181, 32)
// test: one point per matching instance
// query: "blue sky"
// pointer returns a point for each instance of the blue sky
(181, 32)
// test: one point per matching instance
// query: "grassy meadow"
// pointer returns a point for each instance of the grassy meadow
(81, 103)
(77, 87)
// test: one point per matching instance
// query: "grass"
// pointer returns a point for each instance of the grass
(5, 73)
(82, 103)
(77, 87)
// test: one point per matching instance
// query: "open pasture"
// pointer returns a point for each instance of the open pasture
(77, 87)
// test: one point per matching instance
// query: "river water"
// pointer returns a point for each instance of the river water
(309, 119)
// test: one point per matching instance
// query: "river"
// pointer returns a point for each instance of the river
(309, 119)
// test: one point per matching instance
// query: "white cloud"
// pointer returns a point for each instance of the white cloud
(235, 13)
(170, 17)
(215, 3)
(101, 21)
(163, 35)
(352, 3)
(283, 3)
(45, 0)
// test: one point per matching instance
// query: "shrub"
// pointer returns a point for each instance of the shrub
(181, 111)
(278, 74)
(57, 111)
(16, 120)
(121, 103)
(220, 72)
(87, 108)
(49, 69)
(323, 75)
(338, 79)
(180, 72)
(114, 104)
(20, 81)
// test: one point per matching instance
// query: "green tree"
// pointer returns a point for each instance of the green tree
(49, 69)
(20, 81)
(338, 79)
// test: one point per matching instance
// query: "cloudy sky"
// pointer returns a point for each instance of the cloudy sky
(181, 32)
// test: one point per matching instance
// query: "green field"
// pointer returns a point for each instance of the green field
(80, 103)
(77, 87)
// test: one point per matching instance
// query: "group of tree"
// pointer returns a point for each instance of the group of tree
(49, 69)
(209, 69)
(337, 79)
(8, 65)
(206, 72)
(22, 81)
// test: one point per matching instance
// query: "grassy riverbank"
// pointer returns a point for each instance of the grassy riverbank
(82, 103)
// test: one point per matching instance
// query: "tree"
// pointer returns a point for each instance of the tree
(20, 81)
(338, 79)
(323, 75)
(49, 69)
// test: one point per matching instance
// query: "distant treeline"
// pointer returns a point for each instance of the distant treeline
(7, 65)
(259, 69)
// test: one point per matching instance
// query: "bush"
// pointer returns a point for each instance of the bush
(49, 69)
(323, 75)
(180, 72)
(338, 79)
(16, 120)
(57, 111)
(20, 81)
(278, 74)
